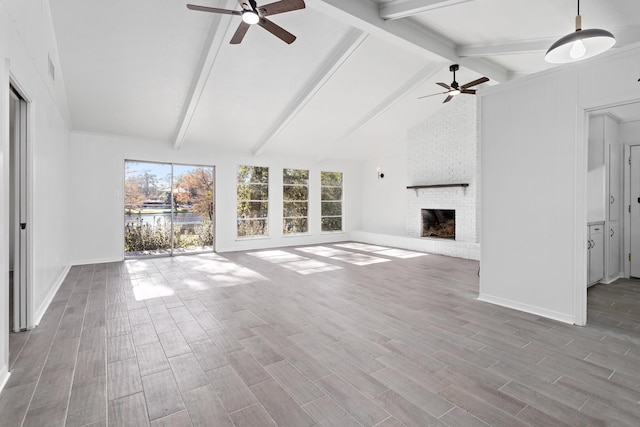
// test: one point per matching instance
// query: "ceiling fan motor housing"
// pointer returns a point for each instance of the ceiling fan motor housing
(250, 5)
(453, 68)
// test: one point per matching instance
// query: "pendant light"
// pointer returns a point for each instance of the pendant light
(581, 44)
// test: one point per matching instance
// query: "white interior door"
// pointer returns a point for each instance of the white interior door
(19, 150)
(635, 211)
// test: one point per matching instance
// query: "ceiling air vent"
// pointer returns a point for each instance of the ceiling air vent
(52, 69)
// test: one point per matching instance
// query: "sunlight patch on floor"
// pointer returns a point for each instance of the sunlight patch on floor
(201, 272)
(380, 250)
(293, 262)
(145, 290)
(310, 266)
(324, 251)
(344, 256)
(277, 256)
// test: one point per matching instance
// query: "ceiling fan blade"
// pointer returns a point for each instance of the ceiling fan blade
(475, 82)
(213, 9)
(444, 85)
(277, 31)
(240, 33)
(281, 7)
(469, 91)
(447, 99)
(433, 94)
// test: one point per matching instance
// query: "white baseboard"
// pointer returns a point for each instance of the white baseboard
(96, 261)
(612, 279)
(539, 311)
(39, 312)
(4, 376)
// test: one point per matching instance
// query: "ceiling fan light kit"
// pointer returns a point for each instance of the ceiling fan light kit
(250, 17)
(579, 45)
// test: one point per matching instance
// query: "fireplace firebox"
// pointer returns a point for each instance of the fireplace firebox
(439, 223)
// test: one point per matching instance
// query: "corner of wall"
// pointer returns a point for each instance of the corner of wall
(42, 308)
(4, 376)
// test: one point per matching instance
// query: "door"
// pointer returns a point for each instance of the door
(168, 209)
(147, 214)
(18, 232)
(635, 211)
(193, 208)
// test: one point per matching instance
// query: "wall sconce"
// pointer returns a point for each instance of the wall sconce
(380, 174)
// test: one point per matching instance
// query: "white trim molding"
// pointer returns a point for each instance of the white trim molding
(555, 315)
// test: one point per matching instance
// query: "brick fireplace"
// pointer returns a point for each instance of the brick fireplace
(442, 172)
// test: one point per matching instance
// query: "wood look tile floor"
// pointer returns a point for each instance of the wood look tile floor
(333, 335)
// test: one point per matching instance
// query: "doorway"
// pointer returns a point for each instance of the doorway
(634, 211)
(168, 209)
(18, 231)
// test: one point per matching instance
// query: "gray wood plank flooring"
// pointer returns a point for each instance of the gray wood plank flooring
(333, 335)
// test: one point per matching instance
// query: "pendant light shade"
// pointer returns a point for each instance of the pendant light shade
(581, 44)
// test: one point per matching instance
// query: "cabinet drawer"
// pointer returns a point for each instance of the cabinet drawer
(596, 229)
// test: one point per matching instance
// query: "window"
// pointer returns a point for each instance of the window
(253, 201)
(295, 195)
(331, 199)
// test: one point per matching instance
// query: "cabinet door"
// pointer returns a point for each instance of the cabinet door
(614, 249)
(615, 167)
(596, 254)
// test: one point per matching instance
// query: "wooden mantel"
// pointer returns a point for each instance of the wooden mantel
(416, 187)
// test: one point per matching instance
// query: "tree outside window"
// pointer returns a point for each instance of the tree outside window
(331, 201)
(295, 195)
(253, 201)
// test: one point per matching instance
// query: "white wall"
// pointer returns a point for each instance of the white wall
(96, 202)
(629, 132)
(26, 41)
(384, 200)
(534, 174)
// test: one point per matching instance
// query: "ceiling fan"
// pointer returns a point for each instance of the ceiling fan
(252, 14)
(455, 89)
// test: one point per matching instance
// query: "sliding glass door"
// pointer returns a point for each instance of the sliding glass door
(168, 209)
(193, 214)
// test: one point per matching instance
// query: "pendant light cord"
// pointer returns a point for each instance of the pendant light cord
(578, 19)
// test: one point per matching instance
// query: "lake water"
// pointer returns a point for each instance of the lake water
(184, 218)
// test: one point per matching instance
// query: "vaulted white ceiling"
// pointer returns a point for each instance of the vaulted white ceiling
(348, 87)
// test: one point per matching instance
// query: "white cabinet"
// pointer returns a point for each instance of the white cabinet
(615, 170)
(605, 196)
(615, 244)
(614, 201)
(595, 245)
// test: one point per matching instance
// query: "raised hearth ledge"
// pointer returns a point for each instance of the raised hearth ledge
(454, 248)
